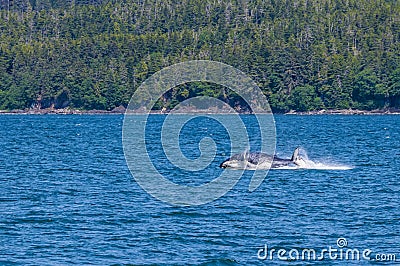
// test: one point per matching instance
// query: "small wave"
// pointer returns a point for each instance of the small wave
(287, 168)
(220, 262)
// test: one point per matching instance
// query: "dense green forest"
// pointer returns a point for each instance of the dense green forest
(304, 54)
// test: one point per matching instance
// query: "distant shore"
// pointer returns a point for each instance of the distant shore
(348, 112)
(121, 110)
(63, 111)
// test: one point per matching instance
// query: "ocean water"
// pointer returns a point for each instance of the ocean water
(68, 197)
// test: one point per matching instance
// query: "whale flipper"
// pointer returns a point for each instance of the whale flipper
(295, 155)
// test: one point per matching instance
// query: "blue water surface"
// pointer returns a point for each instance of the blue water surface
(67, 196)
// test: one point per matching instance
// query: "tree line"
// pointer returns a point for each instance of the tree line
(304, 54)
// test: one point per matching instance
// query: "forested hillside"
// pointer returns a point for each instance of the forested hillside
(304, 54)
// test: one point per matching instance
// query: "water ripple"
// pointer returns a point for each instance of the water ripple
(66, 196)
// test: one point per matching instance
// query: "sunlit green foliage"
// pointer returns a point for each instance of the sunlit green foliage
(304, 54)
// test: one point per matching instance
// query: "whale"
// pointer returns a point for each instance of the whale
(262, 161)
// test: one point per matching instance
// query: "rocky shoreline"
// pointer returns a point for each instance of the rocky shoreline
(390, 111)
(121, 110)
(63, 111)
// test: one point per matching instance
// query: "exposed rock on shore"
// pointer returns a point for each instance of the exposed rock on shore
(347, 112)
(121, 110)
(64, 111)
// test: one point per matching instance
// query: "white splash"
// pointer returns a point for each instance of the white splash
(315, 165)
(325, 166)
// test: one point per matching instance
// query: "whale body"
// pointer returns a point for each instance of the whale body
(259, 160)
